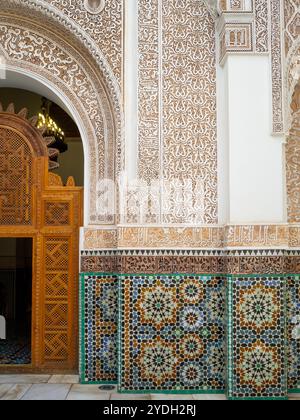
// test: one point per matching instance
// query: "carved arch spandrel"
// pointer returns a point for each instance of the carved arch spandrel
(76, 74)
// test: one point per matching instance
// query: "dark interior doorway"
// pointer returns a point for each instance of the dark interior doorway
(16, 300)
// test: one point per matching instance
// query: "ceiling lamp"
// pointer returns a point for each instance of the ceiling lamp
(51, 128)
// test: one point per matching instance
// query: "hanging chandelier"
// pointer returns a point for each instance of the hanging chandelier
(51, 127)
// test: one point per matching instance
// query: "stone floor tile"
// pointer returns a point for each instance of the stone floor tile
(16, 392)
(24, 379)
(294, 397)
(64, 379)
(47, 392)
(87, 392)
(4, 388)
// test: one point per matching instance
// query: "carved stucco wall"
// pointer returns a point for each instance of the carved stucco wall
(86, 70)
(293, 170)
(292, 89)
(292, 52)
(105, 28)
(177, 107)
(91, 45)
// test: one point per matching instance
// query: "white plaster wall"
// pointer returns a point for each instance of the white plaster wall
(256, 175)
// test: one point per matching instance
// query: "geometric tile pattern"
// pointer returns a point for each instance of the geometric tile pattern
(98, 340)
(172, 333)
(257, 337)
(293, 314)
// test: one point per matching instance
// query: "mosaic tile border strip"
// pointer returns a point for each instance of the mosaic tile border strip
(257, 360)
(98, 328)
(150, 342)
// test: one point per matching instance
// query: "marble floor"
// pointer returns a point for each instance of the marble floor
(66, 387)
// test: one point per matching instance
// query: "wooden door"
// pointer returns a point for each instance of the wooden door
(34, 203)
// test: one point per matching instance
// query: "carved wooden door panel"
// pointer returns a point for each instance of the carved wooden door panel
(35, 204)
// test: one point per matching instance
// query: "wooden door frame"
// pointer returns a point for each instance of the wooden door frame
(46, 190)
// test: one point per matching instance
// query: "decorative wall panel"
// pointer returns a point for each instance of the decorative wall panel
(149, 90)
(257, 337)
(104, 28)
(57, 283)
(172, 335)
(276, 60)
(99, 308)
(261, 26)
(177, 116)
(293, 319)
(291, 43)
(293, 175)
(292, 15)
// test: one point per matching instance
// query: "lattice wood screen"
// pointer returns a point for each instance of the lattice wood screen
(56, 303)
(34, 203)
(15, 179)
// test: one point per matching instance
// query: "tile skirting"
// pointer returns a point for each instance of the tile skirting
(129, 304)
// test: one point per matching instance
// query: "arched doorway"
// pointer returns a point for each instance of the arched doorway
(36, 207)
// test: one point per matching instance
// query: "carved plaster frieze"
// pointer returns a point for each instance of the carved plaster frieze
(205, 237)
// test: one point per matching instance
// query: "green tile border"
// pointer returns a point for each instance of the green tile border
(295, 277)
(81, 328)
(294, 391)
